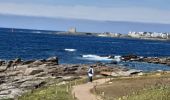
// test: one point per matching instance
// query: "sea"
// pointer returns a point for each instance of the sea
(76, 49)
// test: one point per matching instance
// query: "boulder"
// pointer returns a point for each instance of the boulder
(52, 60)
(33, 71)
(3, 68)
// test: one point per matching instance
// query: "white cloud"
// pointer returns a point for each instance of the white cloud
(88, 12)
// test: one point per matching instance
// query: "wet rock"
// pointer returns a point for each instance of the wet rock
(129, 57)
(33, 71)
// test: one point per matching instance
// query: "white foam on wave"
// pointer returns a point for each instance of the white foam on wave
(96, 58)
(70, 50)
(117, 58)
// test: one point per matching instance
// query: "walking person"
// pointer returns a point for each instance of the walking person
(90, 73)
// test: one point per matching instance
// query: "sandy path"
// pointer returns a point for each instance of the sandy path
(82, 92)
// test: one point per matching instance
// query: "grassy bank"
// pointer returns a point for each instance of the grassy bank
(155, 86)
(49, 93)
(157, 93)
(58, 90)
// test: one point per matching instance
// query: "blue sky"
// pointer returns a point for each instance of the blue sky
(146, 11)
(157, 11)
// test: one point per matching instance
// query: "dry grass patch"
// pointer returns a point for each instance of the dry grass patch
(129, 86)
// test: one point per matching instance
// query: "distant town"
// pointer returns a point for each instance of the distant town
(139, 35)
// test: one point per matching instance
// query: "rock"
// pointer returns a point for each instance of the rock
(32, 84)
(33, 71)
(22, 79)
(70, 78)
(62, 83)
(114, 74)
(53, 60)
(10, 93)
(126, 73)
(98, 76)
(17, 61)
(9, 64)
(140, 74)
(22, 67)
(129, 57)
(70, 69)
(134, 71)
(38, 62)
(3, 68)
(104, 73)
(13, 73)
(2, 63)
(28, 62)
(41, 74)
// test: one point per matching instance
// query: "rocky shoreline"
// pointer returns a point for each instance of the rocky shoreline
(18, 76)
(155, 60)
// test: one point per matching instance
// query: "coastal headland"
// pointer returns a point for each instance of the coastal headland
(18, 77)
(135, 35)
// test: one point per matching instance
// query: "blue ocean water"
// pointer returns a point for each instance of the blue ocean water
(72, 49)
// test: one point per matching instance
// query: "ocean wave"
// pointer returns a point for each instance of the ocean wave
(70, 50)
(96, 58)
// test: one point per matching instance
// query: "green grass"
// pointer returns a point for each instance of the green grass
(62, 92)
(53, 92)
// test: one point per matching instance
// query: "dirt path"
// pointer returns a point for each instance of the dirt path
(82, 92)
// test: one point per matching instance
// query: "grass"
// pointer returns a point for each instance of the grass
(53, 92)
(148, 87)
(158, 93)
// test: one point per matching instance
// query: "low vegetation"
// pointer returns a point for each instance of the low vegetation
(58, 90)
(157, 93)
(155, 86)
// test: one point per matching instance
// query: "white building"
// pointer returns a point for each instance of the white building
(72, 30)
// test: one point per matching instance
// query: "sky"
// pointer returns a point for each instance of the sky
(145, 11)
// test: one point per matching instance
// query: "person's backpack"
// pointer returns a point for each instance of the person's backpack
(90, 71)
